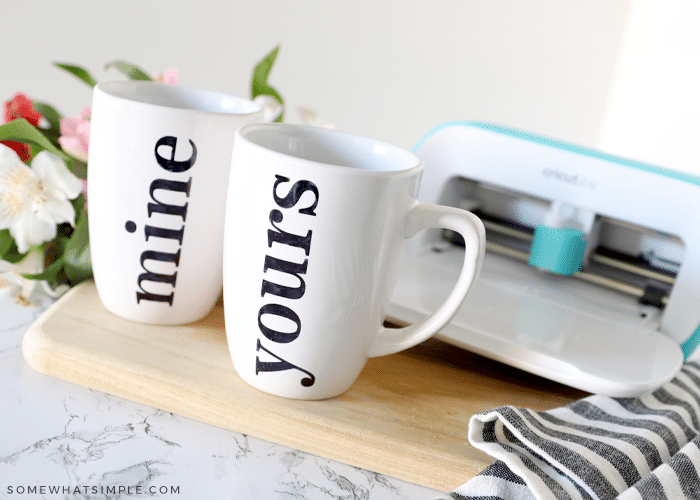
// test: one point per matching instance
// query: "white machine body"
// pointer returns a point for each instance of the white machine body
(625, 315)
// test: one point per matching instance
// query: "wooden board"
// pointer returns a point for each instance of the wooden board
(407, 416)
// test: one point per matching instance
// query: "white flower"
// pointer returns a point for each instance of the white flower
(11, 278)
(310, 117)
(12, 281)
(33, 200)
(271, 108)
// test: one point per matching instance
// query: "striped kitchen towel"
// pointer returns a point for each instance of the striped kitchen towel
(594, 448)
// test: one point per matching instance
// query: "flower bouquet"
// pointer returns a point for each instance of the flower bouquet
(44, 237)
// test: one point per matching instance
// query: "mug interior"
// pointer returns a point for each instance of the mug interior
(330, 147)
(178, 96)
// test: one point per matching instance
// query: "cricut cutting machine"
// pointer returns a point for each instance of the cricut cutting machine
(592, 268)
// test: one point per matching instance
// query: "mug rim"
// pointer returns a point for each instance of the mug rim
(414, 164)
(111, 89)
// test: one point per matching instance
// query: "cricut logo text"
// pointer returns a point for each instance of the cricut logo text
(569, 178)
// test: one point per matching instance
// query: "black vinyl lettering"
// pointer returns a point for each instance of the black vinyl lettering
(280, 365)
(294, 194)
(285, 238)
(159, 232)
(157, 190)
(170, 164)
(157, 277)
(164, 208)
(283, 312)
(291, 268)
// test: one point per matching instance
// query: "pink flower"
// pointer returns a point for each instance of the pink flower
(169, 76)
(75, 134)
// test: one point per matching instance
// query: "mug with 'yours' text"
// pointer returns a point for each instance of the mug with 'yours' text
(316, 224)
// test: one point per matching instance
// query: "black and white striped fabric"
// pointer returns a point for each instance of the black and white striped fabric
(594, 448)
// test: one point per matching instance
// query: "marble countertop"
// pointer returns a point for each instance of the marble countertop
(64, 441)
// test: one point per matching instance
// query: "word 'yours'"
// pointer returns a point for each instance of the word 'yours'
(272, 290)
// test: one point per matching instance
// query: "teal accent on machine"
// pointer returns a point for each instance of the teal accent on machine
(558, 250)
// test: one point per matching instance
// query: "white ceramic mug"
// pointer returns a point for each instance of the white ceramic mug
(316, 224)
(158, 168)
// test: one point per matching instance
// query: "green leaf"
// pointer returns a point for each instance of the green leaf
(81, 73)
(34, 150)
(78, 203)
(78, 265)
(50, 274)
(8, 248)
(131, 71)
(55, 248)
(6, 242)
(50, 113)
(20, 130)
(53, 132)
(261, 73)
(78, 167)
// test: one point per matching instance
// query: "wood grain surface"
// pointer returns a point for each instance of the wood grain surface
(406, 416)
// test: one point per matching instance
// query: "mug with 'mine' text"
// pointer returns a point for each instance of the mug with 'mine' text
(158, 169)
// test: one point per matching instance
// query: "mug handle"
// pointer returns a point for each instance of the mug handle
(426, 216)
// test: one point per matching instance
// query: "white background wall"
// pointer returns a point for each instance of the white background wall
(391, 69)
(622, 76)
(653, 111)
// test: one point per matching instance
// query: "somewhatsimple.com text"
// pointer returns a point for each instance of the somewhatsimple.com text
(92, 490)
